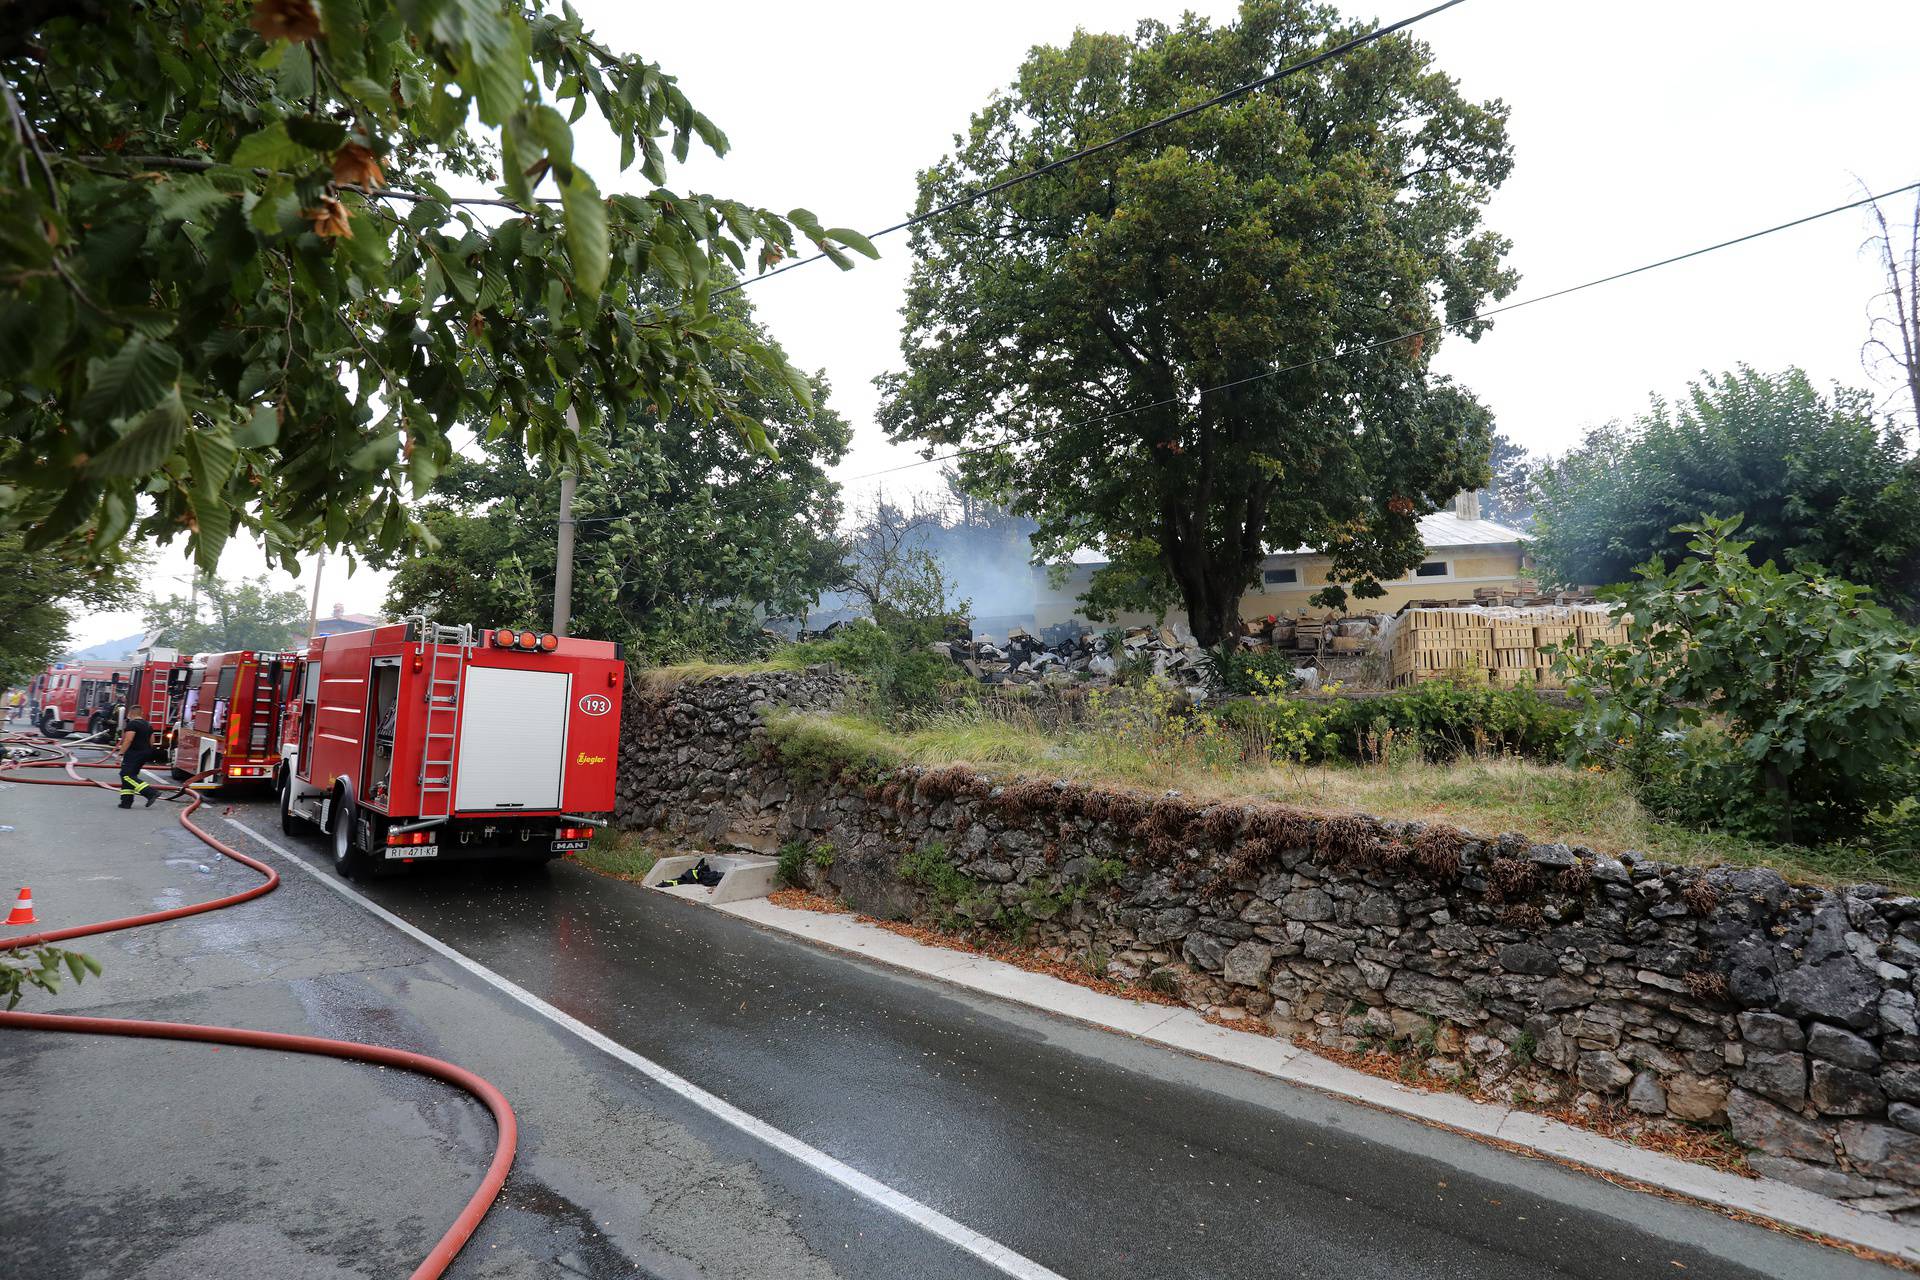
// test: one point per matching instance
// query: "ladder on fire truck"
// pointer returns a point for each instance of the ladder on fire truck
(263, 726)
(444, 653)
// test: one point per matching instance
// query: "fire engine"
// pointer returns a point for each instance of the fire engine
(415, 740)
(230, 716)
(82, 695)
(153, 692)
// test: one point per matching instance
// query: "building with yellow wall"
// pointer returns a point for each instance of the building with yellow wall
(1464, 553)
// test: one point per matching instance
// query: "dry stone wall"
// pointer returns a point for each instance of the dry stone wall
(1723, 997)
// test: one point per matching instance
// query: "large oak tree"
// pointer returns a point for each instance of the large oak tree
(1063, 331)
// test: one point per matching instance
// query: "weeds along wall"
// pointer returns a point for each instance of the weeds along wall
(1545, 973)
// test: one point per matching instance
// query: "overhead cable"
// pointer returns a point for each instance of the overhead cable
(1489, 313)
(1053, 166)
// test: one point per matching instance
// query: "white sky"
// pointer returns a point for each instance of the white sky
(1640, 130)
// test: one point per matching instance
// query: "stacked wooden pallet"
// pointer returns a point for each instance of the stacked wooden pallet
(1500, 645)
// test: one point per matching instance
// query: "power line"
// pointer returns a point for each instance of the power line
(1052, 166)
(1415, 333)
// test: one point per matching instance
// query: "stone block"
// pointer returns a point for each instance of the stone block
(1528, 958)
(1842, 1048)
(1842, 1091)
(1901, 1080)
(1646, 1096)
(1760, 1124)
(1321, 945)
(1601, 1072)
(1247, 964)
(1780, 1076)
(1435, 996)
(1206, 951)
(1771, 1031)
(1839, 990)
(1881, 1151)
(1307, 904)
(1696, 1098)
(1563, 993)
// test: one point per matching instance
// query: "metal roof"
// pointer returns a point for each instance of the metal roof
(1445, 529)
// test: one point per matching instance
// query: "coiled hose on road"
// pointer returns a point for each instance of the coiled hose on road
(57, 755)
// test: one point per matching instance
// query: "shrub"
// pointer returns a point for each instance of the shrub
(1242, 672)
(931, 869)
(1788, 700)
(1446, 720)
(793, 859)
(1434, 720)
(903, 676)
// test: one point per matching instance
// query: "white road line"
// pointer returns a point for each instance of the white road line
(995, 1255)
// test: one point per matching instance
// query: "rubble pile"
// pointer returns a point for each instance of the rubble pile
(1067, 652)
(1070, 651)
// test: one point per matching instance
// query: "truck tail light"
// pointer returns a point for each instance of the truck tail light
(549, 642)
(573, 833)
(503, 638)
(529, 640)
(398, 839)
(246, 771)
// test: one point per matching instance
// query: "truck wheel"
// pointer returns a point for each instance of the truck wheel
(347, 860)
(291, 823)
(49, 723)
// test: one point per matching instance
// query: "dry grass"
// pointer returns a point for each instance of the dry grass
(658, 680)
(1489, 797)
(621, 855)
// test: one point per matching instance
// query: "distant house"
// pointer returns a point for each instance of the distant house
(1464, 552)
(341, 621)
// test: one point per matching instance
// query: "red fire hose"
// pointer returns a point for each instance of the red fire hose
(443, 1252)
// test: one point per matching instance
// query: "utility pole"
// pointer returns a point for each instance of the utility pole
(313, 613)
(563, 552)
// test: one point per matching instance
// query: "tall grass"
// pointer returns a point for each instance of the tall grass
(1207, 760)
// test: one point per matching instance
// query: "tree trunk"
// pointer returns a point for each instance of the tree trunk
(1217, 623)
(1210, 590)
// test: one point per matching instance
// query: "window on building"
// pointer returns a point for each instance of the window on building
(1282, 577)
(1431, 569)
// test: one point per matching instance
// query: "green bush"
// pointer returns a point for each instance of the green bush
(1241, 672)
(1445, 720)
(1786, 702)
(903, 676)
(1433, 720)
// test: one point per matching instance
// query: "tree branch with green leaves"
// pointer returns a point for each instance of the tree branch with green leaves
(236, 297)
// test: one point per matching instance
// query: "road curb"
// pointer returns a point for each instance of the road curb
(1185, 1031)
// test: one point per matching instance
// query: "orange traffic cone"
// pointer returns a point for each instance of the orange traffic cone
(22, 912)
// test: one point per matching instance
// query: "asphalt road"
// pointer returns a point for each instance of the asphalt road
(151, 1160)
(1090, 1153)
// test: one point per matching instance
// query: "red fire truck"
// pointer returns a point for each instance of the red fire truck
(82, 696)
(420, 741)
(230, 716)
(154, 693)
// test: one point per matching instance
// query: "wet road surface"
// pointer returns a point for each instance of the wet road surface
(1088, 1152)
(152, 1160)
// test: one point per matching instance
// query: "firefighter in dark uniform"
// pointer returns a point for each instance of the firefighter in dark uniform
(136, 748)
